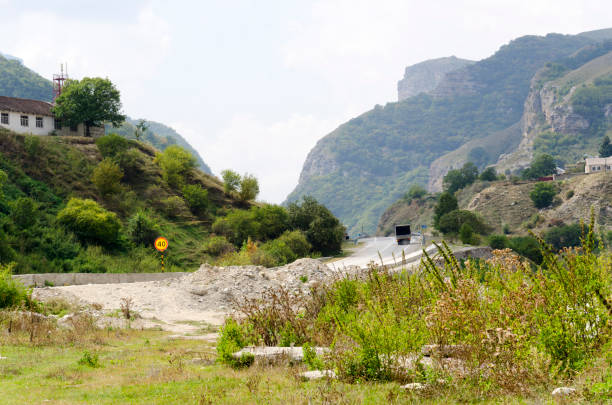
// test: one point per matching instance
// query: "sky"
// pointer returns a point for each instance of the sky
(253, 85)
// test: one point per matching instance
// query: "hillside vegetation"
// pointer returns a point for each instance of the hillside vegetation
(367, 163)
(16, 80)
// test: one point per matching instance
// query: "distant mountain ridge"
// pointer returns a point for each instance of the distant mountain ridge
(16, 80)
(369, 162)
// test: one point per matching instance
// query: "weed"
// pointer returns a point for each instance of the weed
(90, 360)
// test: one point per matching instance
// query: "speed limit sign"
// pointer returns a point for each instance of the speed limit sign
(161, 244)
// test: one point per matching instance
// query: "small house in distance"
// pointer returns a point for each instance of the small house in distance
(597, 165)
(34, 117)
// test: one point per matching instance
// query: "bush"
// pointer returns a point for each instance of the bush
(111, 145)
(527, 246)
(451, 222)
(249, 188)
(279, 252)
(24, 212)
(175, 207)
(466, 233)
(175, 163)
(232, 337)
(569, 194)
(90, 360)
(218, 246)
(489, 174)
(237, 226)
(323, 230)
(56, 243)
(542, 166)
(106, 177)
(457, 179)
(90, 222)
(542, 194)
(564, 236)
(415, 191)
(12, 293)
(273, 220)
(196, 197)
(132, 162)
(297, 242)
(447, 202)
(142, 229)
(498, 241)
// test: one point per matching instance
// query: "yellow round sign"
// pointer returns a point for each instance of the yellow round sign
(161, 244)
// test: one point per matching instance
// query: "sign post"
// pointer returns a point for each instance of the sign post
(161, 244)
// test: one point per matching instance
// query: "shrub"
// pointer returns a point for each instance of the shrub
(12, 293)
(466, 233)
(311, 359)
(506, 229)
(564, 236)
(249, 188)
(175, 207)
(3, 180)
(415, 191)
(527, 246)
(196, 197)
(111, 145)
(323, 230)
(498, 241)
(543, 165)
(569, 194)
(175, 163)
(451, 222)
(231, 181)
(447, 202)
(232, 337)
(106, 177)
(457, 179)
(542, 194)
(297, 242)
(218, 246)
(132, 162)
(90, 222)
(90, 360)
(237, 226)
(56, 243)
(24, 212)
(31, 144)
(142, 229)
(273, 220)
(488, 174)
(279, 251)
(7, 254)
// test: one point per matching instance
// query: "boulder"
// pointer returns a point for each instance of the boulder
(317, 374)
(414, 386)
(563, 392)
(275, 354)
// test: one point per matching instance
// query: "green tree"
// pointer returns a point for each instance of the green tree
(175, 163)
(91, 101)
(479, 156)
(90, 222)
(451, 222)
(542, 166)
(323, 230)
(447, 202)
(107, 176)
(231, 181)
(142, 229)
(273, 220)
(542, 194)
(458, 179)
(24, 212)
(466, 233)
(196, 197)
(488, 174)
(605, 150)
(297, 242)
(564, 236)
(237, 226)
(141, 129)
(415, 191)
(249, 188)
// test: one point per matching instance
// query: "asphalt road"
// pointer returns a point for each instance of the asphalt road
(386, 246)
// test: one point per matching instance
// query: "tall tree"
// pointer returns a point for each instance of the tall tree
(91, 101)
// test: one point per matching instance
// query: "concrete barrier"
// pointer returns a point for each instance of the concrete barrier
(61, 279)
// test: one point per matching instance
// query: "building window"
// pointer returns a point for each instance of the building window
(24, 121)
(57, 124)
(39, 122)
(4, 119)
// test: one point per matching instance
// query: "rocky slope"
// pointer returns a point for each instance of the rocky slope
(425, 76)
(369, 162)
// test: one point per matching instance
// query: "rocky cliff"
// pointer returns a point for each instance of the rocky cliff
(426, 76)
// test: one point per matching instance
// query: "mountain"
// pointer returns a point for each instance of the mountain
(425, 76)
(158, 135)
(16, 80)
(369, 162)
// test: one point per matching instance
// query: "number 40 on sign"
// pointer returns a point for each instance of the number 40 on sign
(161, 244)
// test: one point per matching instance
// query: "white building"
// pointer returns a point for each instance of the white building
(34, 117)
(596, 165)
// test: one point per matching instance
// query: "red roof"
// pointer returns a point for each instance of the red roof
(24, 105)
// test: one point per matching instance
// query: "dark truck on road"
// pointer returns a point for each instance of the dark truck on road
(402, 234)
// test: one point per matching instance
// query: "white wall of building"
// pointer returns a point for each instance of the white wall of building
(596, 165)
(15, 124)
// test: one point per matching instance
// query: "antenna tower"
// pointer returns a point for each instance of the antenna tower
(58, 81)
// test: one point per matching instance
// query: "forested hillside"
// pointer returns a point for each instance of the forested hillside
(367, 163)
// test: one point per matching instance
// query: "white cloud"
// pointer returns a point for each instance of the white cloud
(127, 52)
(273, 151)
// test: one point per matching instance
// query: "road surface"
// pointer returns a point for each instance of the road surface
(369, 250)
